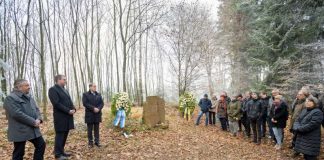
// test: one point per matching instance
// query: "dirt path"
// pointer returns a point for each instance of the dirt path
(182, 140)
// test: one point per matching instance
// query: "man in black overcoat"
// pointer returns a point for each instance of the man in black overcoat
(93, 103)
(63, 111)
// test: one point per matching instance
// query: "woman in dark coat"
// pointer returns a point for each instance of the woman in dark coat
(308, 129)
(93, 103)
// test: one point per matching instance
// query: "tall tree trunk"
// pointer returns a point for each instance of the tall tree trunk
(115, 44)
(21, 74)
(42, 61)
(140, 62)
(99, 69)
(3, 54)
(74, 37)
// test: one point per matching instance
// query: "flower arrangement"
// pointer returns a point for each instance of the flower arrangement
(121, 100)
(187, 105)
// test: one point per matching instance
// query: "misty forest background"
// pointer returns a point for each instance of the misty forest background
(161, 47)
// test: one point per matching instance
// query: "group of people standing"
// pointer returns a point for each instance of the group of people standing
(260, 113)
(24, 118)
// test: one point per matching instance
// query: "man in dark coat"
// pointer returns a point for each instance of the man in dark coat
(254, 113)
(93, 103)
(264, 99)
(204, 104)
(245, 119)
(63, 110)
(24, 120)
(308, 130)
(297, 107)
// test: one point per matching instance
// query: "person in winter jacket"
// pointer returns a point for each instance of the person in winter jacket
(254, 113)
(228, 101)
(274, 93)
(212, 111)
(278, 115)
(245, 120)
(204, 104)
(234, 114)
(264, 99)
(297, 107)
(320, 104)
(308, 130)
(222, 112)
(24, 121)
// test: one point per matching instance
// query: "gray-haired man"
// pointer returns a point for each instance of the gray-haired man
(24, 120)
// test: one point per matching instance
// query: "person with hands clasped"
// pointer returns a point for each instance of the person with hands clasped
(93, 103)
(63, 111)
(24, 120)
(254, 113)
(308, 130)
(279, 116)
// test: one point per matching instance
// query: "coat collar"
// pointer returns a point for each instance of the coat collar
(20, 94)
(59, 86)
(63, 89)
(96, 93)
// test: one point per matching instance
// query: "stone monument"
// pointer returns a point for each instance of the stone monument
(154, 111)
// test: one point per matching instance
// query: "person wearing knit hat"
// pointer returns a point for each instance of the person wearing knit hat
(308, 130)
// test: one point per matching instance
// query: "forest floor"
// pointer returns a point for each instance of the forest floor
(182, 140)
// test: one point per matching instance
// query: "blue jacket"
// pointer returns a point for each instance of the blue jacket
(205, 104)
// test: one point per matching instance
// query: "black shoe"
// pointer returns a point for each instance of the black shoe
(61, 158)
(90, 145)
(258, 143)
(98, 145)
(65, 154)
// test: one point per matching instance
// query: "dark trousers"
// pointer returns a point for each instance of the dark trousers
(60, 140)
(93, 127)
(294, 139)
(263, 125)
(246, 124)
(308, 157)
(223, 123)
(212, 118)
(19, 149)
(256, 128)
(240, 124)
(270, 128)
